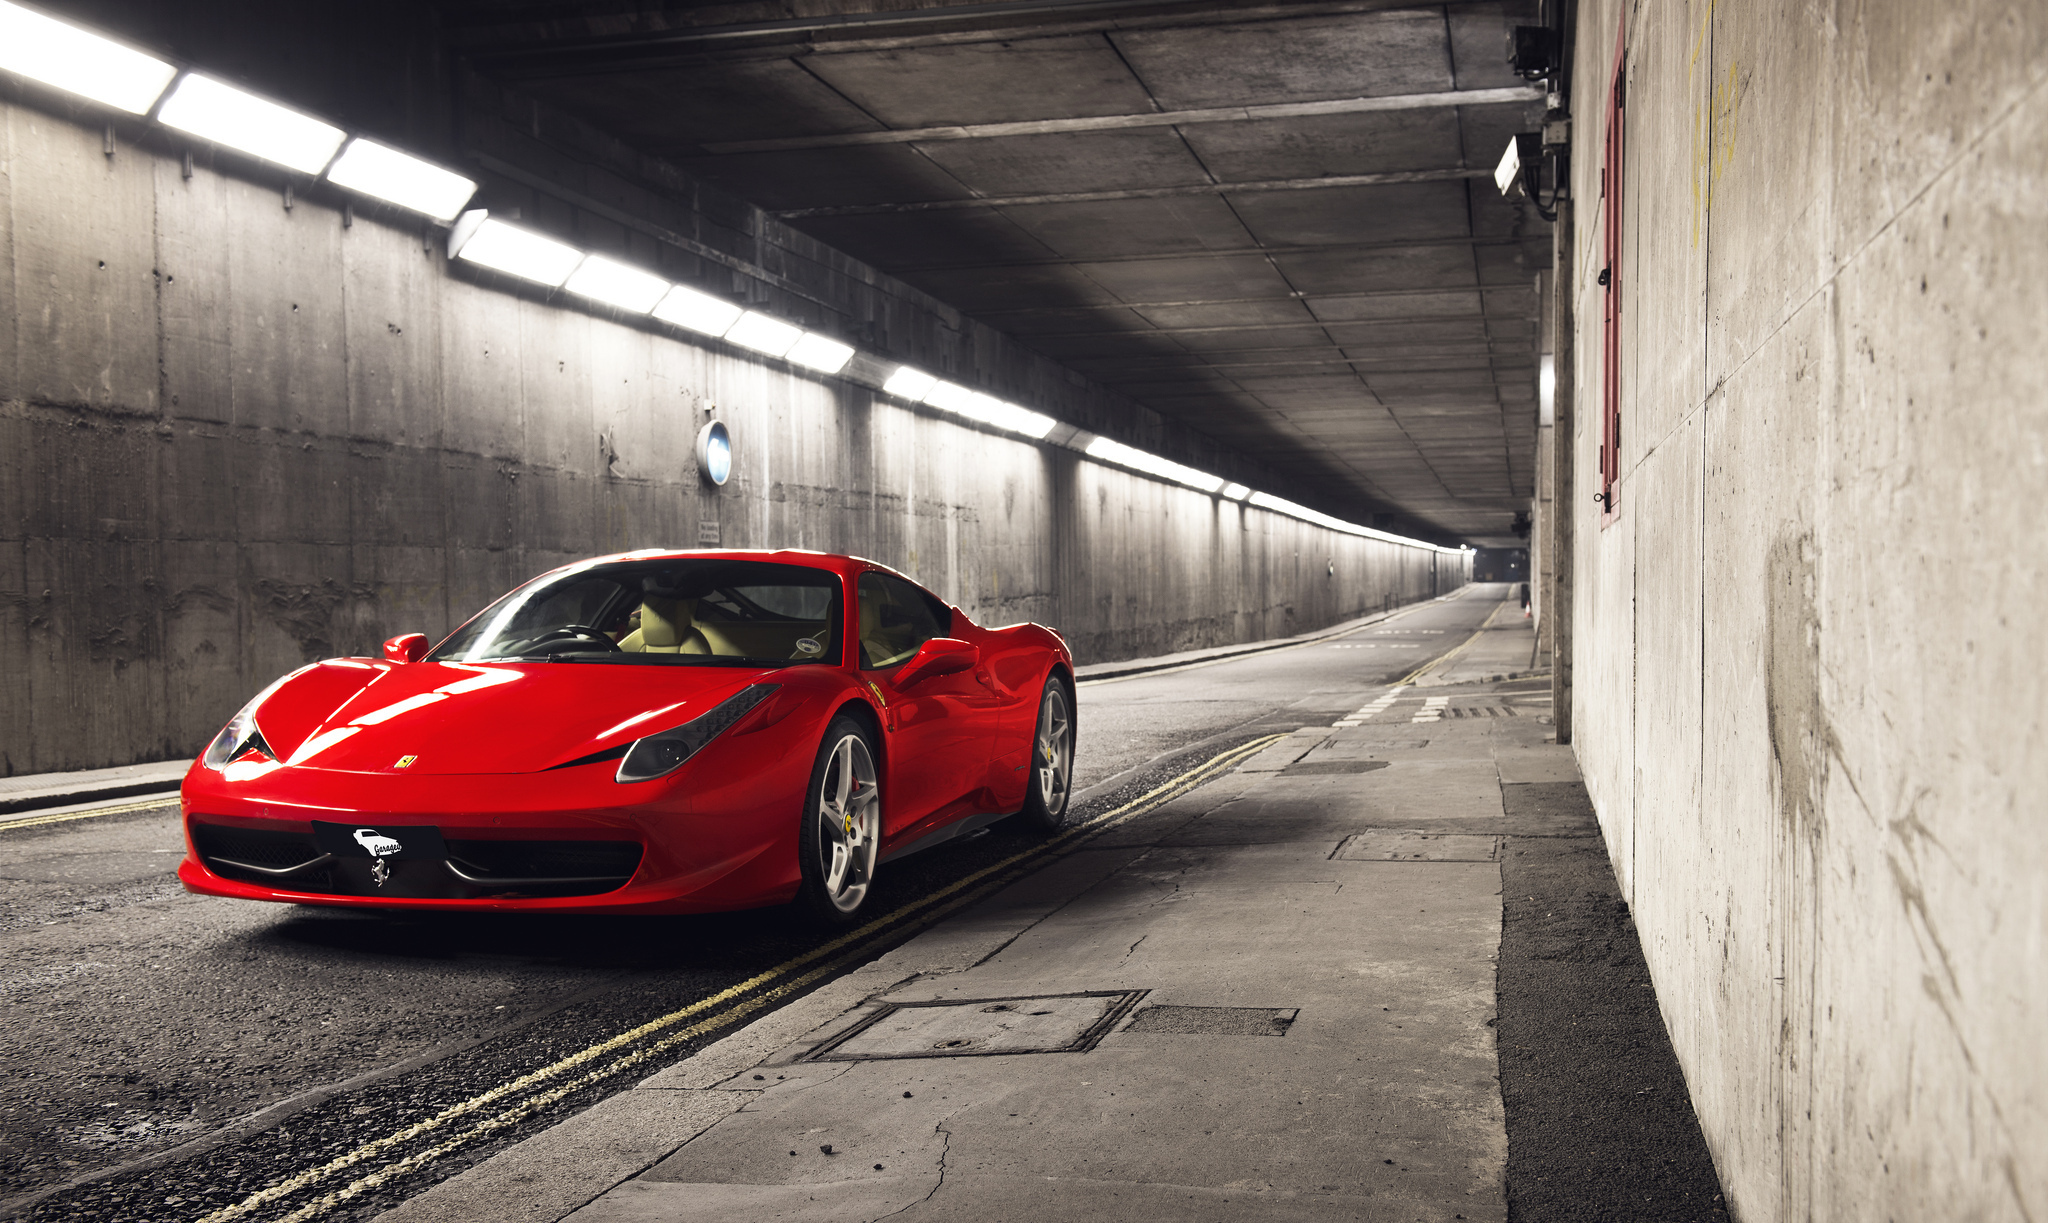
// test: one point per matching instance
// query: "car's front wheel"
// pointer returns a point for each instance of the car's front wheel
(1052, 758)
(842, 826)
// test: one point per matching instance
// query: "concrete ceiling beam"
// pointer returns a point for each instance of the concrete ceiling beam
(1140, 193)
(1367, 294)
(1213, 251)
(1168, 118)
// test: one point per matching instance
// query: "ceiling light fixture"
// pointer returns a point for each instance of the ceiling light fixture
(617, 284)
(210, 110)
(909, 382)
(821, 353)
(401, 179)
(761, 333)
(1236, 492)
(1152, 464)
(1004, 415)
(948, 395)
(1267, 501)
(699, 312)
(75, 61)
(512, 250)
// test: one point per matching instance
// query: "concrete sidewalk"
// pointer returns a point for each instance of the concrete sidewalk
(1271, 999)
(44, 791)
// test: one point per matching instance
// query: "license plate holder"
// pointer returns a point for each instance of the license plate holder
(415, 841)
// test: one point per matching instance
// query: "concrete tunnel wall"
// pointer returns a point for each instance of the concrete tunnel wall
(237, 438)
(1809, 697)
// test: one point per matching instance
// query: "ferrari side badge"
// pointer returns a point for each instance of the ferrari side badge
(405, 762)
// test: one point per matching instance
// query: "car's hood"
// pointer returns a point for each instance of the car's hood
(479, 717)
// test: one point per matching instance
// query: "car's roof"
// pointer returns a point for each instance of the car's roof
(847, 566)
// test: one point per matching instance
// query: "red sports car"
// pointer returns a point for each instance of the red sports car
(655, 732)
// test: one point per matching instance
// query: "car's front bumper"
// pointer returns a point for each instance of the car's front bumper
(719, 833)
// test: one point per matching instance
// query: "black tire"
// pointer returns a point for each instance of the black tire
(1051, 769)
(842, 825)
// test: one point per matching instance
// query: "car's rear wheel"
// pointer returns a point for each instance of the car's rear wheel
(842, 825)
(1052, 758)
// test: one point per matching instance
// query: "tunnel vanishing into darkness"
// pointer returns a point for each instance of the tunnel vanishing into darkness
(1763, 403)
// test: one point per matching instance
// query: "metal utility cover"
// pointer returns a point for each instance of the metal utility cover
(1389, 846)
(1214, 1020)
(1325, 768)
(973, 1027)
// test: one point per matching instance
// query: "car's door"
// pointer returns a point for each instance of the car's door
(939, 727)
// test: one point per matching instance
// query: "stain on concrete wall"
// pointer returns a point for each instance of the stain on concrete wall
(1809, 700)
(236, 437)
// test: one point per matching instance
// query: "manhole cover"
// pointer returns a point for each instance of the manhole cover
(1214, 1020)
(1384, 846)
(1322, 768)
(1056, 1023)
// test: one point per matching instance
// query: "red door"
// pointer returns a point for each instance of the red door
(939, 729)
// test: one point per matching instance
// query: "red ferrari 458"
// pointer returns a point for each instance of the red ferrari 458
(655, 732)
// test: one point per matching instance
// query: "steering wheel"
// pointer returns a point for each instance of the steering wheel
(577, 632)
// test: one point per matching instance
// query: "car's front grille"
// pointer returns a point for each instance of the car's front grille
(256, 855)
(473, 870)
(591, 860)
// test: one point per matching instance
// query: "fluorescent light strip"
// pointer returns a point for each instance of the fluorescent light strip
(1267, 501)
(1152, 464)
(975, 406)
(77, 61)
(827, 356)
(764, 334)
(617, 284)
(700, 312)
(909, 383)
(520, 252)
(1004, 415)
(211, 110)
(949, 395)
(401, 179)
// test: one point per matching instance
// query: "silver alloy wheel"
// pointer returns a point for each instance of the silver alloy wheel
(849, 823)
(1054, 750)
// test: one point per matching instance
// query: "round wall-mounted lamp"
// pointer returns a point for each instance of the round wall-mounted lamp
(714, 452)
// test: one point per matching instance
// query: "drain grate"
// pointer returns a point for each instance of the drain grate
(1214, 1020)
(1390, 846)
(981, 1027)
(1325, 768)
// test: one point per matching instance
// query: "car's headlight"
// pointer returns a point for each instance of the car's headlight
(238, 738)
(658, 755)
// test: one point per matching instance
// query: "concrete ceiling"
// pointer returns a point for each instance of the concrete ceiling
(1274, 223)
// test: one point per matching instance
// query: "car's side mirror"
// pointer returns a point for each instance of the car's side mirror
(409, 647)
(938, 656)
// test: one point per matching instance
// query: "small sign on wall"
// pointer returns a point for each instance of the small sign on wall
(707, 534)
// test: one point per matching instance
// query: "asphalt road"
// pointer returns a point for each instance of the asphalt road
(172, 1054)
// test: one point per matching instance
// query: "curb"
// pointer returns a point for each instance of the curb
(1168, 662)
(43, 800)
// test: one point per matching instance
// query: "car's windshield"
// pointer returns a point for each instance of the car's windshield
(694, 611)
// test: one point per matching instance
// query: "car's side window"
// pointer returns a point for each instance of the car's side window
(895, 619)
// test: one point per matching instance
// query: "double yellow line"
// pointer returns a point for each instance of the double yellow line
(650, 1040)
(1452, 653)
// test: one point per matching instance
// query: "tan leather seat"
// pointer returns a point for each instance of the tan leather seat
(885, 646)
(666, 627)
